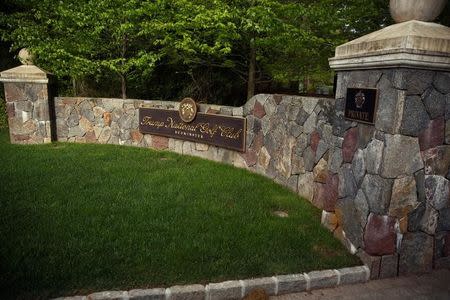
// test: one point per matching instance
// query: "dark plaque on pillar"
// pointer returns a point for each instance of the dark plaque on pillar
(361, 105)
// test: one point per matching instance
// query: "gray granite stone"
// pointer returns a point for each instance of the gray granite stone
(105, 135)
(310, 124)
(309, 104)
(340, 124)
(351, 220)
(365, 135)
(437, 160)
(321, 150)
(322, 279)
(112, 104)
(404, 197)
(270, 106)
(110, 295)
(444, 220)
(389, 266)
(73, 119)
(147, 294)
(301, 117)
(378, 193)
(429, 221)
(417, 81)
(442, 82)
(288, 284)
(401, 156)
(358, 166)
(309, 159)
(306, 185)
(353, 275)
(388, 103)
(416, 254)
(415, 117)
(62, 130)
(24, 105)
(301, 144)
(186, 292)
(373, 156)
(87, 111)
(419, 176)
(265, 283)
(295, 130)
(335, 161)
(224, 290)
(126, 121)
(447, 132)
(415, 217)
(76, 131)
(347, 182)
(437, 191)
(372, 262)
(226, 110)
(434, 103)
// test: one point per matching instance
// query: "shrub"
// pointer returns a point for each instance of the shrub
(3, 116)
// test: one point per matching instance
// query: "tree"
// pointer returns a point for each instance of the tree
(86, 37)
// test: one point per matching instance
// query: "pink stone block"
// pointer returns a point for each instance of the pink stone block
(258, 110)
(315, 139)
(380, 236)
(349, 145)
(433, 135)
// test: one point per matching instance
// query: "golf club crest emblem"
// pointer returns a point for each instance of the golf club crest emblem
(360, 98)
(187, 110)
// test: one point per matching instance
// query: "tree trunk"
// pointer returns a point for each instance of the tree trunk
(74, 87)
(251, 70)
(123, 82)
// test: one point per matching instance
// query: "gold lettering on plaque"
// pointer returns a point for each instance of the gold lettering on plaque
(149, 122)
(359, 115)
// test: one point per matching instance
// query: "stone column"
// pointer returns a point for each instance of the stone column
(28, 104)
(394, 202)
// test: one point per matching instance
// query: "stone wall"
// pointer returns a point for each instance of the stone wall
(393, 178)
(383, 188)
(27, 107)
(284, 133)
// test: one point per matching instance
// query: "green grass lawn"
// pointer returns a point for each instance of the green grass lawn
(81, 218)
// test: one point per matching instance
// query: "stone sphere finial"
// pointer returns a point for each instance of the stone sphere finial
(420, 10)
(25, 57)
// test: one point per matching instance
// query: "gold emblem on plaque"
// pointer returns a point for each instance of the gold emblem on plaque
(188, 110)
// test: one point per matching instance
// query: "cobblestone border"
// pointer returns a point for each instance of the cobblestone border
(237, 289)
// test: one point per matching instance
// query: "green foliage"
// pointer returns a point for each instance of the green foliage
(202, 44)
(116, 218)
(3, 115)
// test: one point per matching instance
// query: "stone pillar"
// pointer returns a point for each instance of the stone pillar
(28, 104)
(394, 201)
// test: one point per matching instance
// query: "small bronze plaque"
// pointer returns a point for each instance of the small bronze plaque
(361, 105)
(218, 130)
(188, 110)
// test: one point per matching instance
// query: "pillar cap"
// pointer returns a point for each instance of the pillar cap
(412, 44)
(26, 74)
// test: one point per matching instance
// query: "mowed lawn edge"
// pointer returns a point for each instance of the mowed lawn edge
(78, 218)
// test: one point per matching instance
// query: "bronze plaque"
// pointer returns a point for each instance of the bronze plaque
(361, 105)
(188, 110)
(218, 130)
